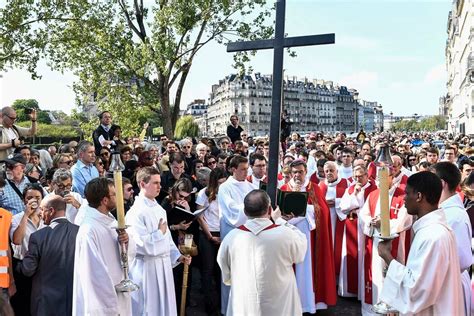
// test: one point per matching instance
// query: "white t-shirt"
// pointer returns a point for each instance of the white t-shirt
(211, 215)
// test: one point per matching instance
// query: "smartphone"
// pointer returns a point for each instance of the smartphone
(64, 193)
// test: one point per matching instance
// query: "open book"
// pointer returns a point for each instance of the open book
(188, 216)
(290, 202)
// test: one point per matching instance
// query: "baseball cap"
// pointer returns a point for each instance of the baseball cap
(17, 158)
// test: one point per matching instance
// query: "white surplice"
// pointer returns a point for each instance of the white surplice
(258, 265)
(398, 225)
(97, 268)
(152, 268)
(334, 210)
(231, 204)
(304, 270)
(458, 220)
(429, 283)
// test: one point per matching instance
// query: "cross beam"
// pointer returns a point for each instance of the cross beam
(287, 42)
(278, 44)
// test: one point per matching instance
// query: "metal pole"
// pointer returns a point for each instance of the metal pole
(276, 100)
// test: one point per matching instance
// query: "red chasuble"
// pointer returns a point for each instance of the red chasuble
(324, 277)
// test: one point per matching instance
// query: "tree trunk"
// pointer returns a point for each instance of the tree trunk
(165, 111)
(179, 92)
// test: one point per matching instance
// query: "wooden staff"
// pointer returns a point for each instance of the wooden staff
(184, 290)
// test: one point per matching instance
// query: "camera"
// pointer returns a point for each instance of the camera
(28, 111)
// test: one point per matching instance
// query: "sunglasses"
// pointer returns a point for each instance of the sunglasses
(211, 162)
(104, 154)
(129, 189)
(185, 146)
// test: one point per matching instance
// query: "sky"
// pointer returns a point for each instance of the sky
(391, 51)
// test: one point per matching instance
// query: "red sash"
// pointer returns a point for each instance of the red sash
(242, 227)
(395, 204)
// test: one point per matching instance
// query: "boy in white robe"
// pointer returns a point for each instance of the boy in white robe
(152, 268)
(430, 282)
(458, 221)
(257, 262)
(97, 264)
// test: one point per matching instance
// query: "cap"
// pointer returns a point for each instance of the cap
(17, 158)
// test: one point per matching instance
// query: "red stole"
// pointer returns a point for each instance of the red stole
(322, 260)
(242, 227)
(314, 178)
(340, 188)
(352, 255)
(395, 204)
(372, 171)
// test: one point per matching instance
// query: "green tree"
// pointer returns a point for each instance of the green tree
(20, 105)
(148, 50)
(186, 127)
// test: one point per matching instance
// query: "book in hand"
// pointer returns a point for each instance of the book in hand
(292, 202)
(185, 215)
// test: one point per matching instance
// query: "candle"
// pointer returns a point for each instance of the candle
(119, 198)
(188, 241)
(384, 204)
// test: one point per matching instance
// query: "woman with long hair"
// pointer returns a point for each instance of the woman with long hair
(209, 239)
(178, 200)
(23, 225)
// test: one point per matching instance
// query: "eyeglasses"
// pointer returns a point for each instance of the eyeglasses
(185, 146)
(105, 153)
(100, 163)
(11, 118)
(412, 159)
(63, 187)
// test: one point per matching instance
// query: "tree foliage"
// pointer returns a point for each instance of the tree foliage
(124, 51)
(57, 131)
(430, 124)
(186, 127)
(20, 105)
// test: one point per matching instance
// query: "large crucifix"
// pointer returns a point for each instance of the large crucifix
(278, 44)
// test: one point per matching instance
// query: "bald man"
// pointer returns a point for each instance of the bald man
(50, 260)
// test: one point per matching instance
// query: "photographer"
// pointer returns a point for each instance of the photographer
(10, 133)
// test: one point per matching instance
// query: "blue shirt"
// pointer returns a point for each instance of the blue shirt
(10, 200)
(81, 175)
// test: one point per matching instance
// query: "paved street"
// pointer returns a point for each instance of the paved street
(346, 307)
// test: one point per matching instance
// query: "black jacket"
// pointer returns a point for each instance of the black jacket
(50, 262)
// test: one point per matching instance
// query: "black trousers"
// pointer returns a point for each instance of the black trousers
(21, 300)
(210, 271)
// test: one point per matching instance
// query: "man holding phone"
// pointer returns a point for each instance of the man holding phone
(10, 133)
(62, 184)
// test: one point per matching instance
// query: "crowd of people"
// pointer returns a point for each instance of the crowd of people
(60, 254)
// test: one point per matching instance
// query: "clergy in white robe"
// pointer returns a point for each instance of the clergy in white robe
(371, 280)
(353, 238)
(97, 264)
(458, 220)
(257, 260)
(430, 282)
(231, 204)
(152, 267)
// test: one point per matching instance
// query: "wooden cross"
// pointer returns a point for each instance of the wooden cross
(278, 44)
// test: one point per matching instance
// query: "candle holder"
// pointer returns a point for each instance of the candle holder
(188, 248)
(126, 285)
(381, 307)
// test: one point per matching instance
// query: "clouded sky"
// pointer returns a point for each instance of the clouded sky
(391, 51)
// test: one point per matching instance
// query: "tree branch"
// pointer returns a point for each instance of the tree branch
(123, 6)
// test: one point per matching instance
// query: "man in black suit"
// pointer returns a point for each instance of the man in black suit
(50, 260)
(103, 135)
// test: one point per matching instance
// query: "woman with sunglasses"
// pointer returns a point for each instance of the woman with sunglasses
(180, 198)
(411, 163)
(100, 165)
(210, 161)
(23, 225)
(209, 239)
(63, 160)
(105, 154)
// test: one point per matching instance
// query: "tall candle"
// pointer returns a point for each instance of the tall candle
(119, 198)
(384, 203)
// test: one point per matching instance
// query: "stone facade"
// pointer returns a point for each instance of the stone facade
(316, 105)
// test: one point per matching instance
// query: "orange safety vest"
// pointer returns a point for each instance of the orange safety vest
(5, 222)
